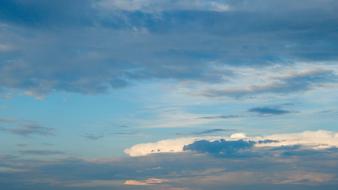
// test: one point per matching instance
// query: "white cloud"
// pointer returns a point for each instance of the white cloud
(178, 118)
(280, 79)
(164, 146)
(312, 139)
(309, 139)
(150, 181)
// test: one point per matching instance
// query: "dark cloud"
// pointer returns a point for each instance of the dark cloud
(221, 147)
(212, 131)
(269, 111)
(29, 130)
(185, 171)
(78, 46)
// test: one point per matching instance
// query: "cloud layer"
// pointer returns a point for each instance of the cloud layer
(235, 142)
(276, 169)
(113, 43)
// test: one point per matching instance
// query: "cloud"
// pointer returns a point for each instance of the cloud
(289, 82)
(220, 147)
(269, 111)
(178, 118)
(30, 130)
(306, 177)
(163, 5)
(312, 139)
(212, 131)
(93, 184)
(41, 152)
(150, 181)
(5, 48)
(6, 120)
(164, 146)
(174, 171)
(93, 136)
(91, 47)
(308, 140)
(219, 117)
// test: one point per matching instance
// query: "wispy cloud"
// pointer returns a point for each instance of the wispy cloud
(29, 130)
(178, 118)
(150, 181)
(163, 5)
(213, 131)
(278, 83)
(269, 111)
(211, 117)
(41, 152)
(93, 136)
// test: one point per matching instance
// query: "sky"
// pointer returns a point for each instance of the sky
(168, 94)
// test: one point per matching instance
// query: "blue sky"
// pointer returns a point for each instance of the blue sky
(129, 85)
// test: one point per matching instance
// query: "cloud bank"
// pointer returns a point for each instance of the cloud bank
(91, 47)
(312, 170)
(313, 140)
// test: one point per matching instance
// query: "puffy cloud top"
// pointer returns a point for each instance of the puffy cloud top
(309, 139)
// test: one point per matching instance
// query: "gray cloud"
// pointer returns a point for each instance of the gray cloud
(41, 152)
(6, 120)
(81, 47)
(269, 111)
(221, 148)
(297, 82)
(29, 130)
(93, 136)
(220, 117)
(272, 170)
(212, 131)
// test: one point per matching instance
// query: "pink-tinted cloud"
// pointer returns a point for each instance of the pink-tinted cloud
(150, 181)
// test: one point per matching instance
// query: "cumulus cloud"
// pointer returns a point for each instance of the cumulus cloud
(311, 139)
(235, 142)
(164, 146)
